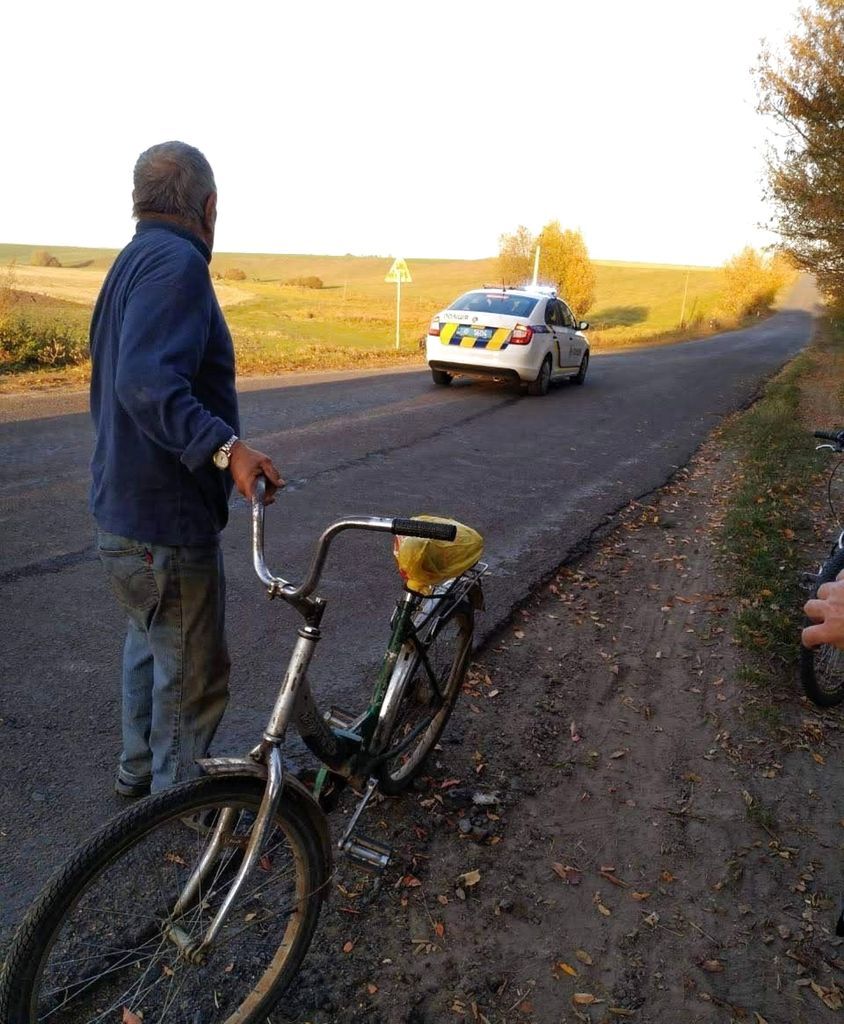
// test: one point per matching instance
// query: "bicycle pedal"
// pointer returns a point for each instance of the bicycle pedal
(367, 854)
(337, 718)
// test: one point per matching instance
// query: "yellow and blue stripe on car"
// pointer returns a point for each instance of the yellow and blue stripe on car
(470, 336)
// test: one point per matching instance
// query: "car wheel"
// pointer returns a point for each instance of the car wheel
(540, 385)
(580, 376)
(441, 378)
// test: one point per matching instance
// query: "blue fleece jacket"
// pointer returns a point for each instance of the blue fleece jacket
(163, 394)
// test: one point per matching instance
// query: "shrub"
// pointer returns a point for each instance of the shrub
(27, 343)
(8, 295)
(305, 282)
(234, 274)
(750, 282)
(42, 258)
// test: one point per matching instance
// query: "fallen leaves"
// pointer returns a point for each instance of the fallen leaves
(570, 875)
(603, 910)
(712, 966)
(607, 872)
(348, 946)
(583, 957)
(830, 997)
(567, 969)
(585, 999)
(131, 1018)
(469, 878)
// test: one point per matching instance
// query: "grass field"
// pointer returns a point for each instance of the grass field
(351, 320)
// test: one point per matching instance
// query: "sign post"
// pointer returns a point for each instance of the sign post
(398, 272)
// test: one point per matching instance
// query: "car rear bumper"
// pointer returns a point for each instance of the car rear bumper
(469, 370)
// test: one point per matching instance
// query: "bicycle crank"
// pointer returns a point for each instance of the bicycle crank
(367, 854)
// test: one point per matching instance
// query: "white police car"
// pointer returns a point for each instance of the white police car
(525, 335)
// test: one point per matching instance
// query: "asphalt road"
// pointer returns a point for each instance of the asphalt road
(536, 476)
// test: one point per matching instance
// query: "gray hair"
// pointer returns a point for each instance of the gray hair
(172, 178)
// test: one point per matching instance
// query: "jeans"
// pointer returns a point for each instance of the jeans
(175, 659)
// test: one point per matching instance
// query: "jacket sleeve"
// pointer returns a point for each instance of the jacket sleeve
(162, 345)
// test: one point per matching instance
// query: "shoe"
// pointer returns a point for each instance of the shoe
(130, 790)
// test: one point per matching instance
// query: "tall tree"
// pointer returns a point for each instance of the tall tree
(515, 256)
(564, 260)
(803, 91)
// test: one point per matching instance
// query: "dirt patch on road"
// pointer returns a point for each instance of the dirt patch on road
(616, 826)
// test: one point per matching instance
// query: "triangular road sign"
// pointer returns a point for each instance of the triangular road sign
(398, 272)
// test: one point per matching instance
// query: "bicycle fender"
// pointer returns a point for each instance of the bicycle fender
(292, 789)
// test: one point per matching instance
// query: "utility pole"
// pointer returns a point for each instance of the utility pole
(536, 268)
(683, 308)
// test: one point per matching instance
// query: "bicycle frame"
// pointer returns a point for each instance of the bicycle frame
(346, 749)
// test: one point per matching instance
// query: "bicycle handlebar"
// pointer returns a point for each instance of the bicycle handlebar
(380, 524)
(423, 528)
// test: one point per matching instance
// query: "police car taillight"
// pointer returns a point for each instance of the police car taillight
(521, 335)
(434, 328)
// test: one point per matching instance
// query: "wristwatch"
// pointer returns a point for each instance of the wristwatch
(222, 456)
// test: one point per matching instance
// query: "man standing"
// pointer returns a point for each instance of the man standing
(166, 454)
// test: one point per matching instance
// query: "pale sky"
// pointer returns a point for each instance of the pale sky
(421, 128)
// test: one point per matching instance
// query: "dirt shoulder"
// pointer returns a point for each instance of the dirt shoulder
(617, 826)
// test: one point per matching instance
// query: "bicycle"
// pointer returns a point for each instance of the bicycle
(199, 903)
(822, 668)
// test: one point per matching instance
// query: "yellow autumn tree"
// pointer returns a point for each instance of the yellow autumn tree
(750, 282)
(564, 262)
(515, 256)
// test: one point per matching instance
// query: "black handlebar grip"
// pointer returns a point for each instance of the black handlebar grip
(825, 435)
(422, 528)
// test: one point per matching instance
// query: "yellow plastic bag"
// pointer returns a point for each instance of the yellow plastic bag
(424, 563)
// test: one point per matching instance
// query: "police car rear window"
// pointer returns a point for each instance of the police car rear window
(507, 305)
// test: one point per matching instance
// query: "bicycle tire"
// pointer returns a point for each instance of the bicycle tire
(420, 708)
(822, 668)
(233, 984)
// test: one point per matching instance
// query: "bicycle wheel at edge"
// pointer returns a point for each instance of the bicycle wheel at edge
(94, 946)
(449, 653)
(822, 668)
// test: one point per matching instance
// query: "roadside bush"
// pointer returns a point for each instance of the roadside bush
(42, 258)
(234, 274)
(305, 282)
(8, 295)
(25, 343)
(751, 282)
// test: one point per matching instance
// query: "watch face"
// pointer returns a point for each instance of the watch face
(221, 460)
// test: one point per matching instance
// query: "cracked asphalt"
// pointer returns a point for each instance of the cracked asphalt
(536, 476)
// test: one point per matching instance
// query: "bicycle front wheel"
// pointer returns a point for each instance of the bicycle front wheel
(822, 668)
(97, 946)
(424, 709)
